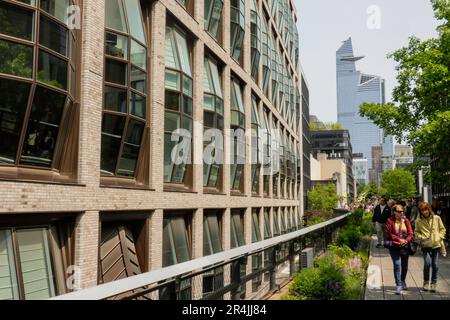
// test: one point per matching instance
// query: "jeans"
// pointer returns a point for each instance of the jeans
(430, 259)
(400, 266)
(381, 232)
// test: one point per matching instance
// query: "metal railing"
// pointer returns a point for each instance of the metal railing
(223, 275)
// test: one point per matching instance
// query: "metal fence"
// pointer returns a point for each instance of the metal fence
(247, 272)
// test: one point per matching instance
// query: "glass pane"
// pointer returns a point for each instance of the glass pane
(115, 99)
(209, 103)
(16, 59)
(135, 19)
(115, 15)
(130, 152)
(181, 240)
(52, 70)
(187, 105)
(173, 80)
(116, 72)
(172, 100)
(112, 131)
(168, 163)
(53, 35)
(179, 173)
(16, 22)
(183, 49)
(43, 127)
(137, 105)
(172, 60)
(169, 251)
(207, 82)
(116, 45)
(57, 8)
(208, 120)
(216, 79)
(138, 55)
(187, 86)
(213, 223)
(138, 79)
(213, 177)
(13, 103)
(8, 277)
(172, 121)
(35, 263)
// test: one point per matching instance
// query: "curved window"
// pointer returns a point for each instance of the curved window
(238, 136)
(237, 28)
(178, 106)
(274, 71)
(255, 37)
(213, 14)
(276, 141)
(36, 95)
(212, 119)
(282, 160)
(256, 146)
(267, 152)
(266, 52)
(125, 99)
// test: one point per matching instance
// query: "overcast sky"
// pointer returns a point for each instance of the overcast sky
(324, 24)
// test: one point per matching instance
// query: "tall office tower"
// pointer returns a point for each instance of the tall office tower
(353, 89)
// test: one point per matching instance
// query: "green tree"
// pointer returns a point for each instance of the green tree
(399, 184)
(420, 114)
(367, 191)
(323, 198)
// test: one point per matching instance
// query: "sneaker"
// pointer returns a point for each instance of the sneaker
(433, 287)
(426, 286)
(404, 287)
(379, 246)
(399, 290)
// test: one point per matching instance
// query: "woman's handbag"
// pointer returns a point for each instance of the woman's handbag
(411, 248)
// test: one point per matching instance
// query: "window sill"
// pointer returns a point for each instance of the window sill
(213, 191)
(237, 194)
(179, 189)
(36, 175)
(122, 183)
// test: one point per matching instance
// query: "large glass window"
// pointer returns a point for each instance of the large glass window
(32, 266)
(237, 28)
(256, 146)
(212, 243)
(267, 151)
(267, 228)
(276, 141)
(125, 99)
(212, 119)
(177, 238)
(255, 37)
(238, 136)
(237, 229)
(33, 103)
(213, 14)
(178, 104)
(256, 258)
(266, 60)
(276, 222)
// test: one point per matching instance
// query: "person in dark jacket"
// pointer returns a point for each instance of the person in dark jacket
(380, 215)
(400, 233)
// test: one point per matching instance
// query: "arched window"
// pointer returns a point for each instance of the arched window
(125, 90)
(178, 106)
(212, 119)
(37, 85)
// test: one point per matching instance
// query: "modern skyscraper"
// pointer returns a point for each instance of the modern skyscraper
(353, 89)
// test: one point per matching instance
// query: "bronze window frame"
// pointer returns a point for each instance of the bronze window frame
(64, 162)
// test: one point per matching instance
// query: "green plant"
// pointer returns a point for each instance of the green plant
(323, 198)
(306, 284)
(350, 235)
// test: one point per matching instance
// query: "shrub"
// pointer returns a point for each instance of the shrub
(313, 217)
(350, 235)
(306, 284)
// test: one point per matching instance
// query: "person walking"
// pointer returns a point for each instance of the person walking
(411, 211)
(430, 231)
(399, 234)
(380, 215)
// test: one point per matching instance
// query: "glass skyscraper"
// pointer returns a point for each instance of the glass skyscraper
(353, 89)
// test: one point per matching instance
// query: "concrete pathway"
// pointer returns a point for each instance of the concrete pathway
(381, 284)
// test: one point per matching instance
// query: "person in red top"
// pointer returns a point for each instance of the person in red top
(399, 232)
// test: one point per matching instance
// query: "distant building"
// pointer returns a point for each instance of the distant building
(361, 170)
(353, 89)
(336, 145)
(376, 171)
(403, 157)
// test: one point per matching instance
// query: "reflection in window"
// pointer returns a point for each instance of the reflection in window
(237, 28)
(275, 156)
(178, 104)
(213, 14)
(125, 101)
(237, 229)
(212, 119)
(30, 126)
(267, 152)
(276, 222)
(256, 258)
(267, 228)
(255, 37)
(266, 60)
(238, 138)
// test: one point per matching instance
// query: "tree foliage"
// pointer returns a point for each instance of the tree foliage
(398, 184)
(420, 114)
(323, 198)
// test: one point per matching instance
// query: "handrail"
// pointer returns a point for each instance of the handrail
(111, 289)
